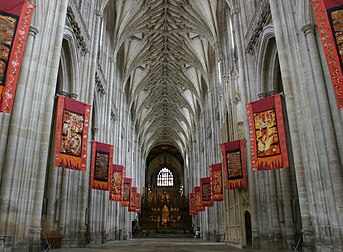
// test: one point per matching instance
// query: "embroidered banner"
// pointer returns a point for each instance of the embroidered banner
(126, 192)
(217, 182)
(101, 168)
(206, 194)
(132, 205)
(138, 203)
(195, 200)
(267, 134)
(15, 19)
(72, 123)
(116, 187)
(234, 159)
(198, 203)
(191, 203)
(329, 18)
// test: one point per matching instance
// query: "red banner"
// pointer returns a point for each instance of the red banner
(217, 182)
(267, 134)
(206, 192)
(329, 18)
(117, 184)
(132, 205)
(101, 168)
(126, 192)
(191, 201)
(234, 160)
(138, 202)
(198, 202)
(15, 19)
(72, 123)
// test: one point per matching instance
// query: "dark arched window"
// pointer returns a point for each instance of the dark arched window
(165, 177)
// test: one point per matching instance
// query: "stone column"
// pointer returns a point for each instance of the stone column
(284, 196)
(84, 187)
(10, 173)
(328, 157)
(104, 219)
(91, 198)
(93, 55)
(35, 228)
(274, 216)
(95, 132)
(63, 219)
(4, 128)
(52, 177)
(293, 124)
(252, 178)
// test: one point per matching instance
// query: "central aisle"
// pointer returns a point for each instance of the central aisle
(161, 245)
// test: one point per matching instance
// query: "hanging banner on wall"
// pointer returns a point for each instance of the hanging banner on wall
(206, 192)
(329, 18)
(138, 202)
(198, 203)
(72, 123)
(101, 168)
(133, 194)
(116, 187)
(267, 134)
(191, 201)
(217, 182)
(126, 192)
(234, 160)
(15, 19)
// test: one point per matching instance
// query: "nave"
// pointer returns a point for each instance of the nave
(127, 117)
(162, 244)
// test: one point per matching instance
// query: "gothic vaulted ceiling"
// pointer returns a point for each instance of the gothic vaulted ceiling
(165, 50)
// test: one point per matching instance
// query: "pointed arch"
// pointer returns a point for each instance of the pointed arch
(267, 62)
(69, 64)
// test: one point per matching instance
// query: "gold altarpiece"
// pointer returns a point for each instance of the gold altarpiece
(165, 208)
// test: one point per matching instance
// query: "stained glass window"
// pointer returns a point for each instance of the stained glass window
(165, 177)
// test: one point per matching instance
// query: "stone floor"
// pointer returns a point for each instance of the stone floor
(161, 245)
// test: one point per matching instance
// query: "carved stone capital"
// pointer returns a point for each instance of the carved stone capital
(308, 28)
(99, 13)
(33, 31)
(95, 132)
(73, 96)
(262, 95)
(62, 93)
(273, 92)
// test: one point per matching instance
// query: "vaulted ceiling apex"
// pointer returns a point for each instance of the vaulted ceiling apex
(164, 47)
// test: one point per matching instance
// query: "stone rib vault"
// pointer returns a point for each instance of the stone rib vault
(167, 47)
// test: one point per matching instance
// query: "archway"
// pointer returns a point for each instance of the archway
(248, 231)
(164, 206)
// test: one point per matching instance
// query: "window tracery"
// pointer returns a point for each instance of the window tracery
(165, 177)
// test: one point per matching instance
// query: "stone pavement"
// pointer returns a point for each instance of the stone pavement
(161, 245)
